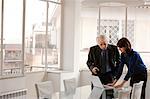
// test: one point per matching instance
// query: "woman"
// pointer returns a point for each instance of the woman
(136, 69)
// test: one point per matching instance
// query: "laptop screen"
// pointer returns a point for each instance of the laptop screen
(96, 81)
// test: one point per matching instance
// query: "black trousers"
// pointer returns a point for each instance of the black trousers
(137, 78)
(105, 79)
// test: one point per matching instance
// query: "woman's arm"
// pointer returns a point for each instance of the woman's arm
(121, 84)
(120, 69)
(132, 65)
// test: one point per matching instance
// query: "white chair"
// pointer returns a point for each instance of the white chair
(124, 93)
(44, 90)
(136, 90)
(70, 85)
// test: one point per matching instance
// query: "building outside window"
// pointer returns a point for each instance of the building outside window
(11, 58)
(35, 45)
(42, 49)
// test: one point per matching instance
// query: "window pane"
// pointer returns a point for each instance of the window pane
(141, 19)
(12, 37)
(54, 30)
(112, 23)
(36, 34)
(146, 58)
(89, 24)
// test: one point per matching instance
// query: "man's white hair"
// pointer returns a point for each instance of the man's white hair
(102, 37)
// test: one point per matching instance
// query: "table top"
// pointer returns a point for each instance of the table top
(79, 93)
(84, 92)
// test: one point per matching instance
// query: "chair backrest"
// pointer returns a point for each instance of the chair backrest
(136, 90)
(124, 93)
(44, 90)
(70, 85)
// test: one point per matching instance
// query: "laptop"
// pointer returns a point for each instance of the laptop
(97, 83)
(96, 93)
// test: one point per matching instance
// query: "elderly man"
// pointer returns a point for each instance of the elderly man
(103, 60)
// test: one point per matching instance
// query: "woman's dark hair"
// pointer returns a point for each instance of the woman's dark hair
(124, 42)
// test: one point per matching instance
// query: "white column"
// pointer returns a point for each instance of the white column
(69, 56)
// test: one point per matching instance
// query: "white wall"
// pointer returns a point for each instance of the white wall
(12, 84)
(70, 35)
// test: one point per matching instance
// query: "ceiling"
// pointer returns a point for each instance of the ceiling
(97, 3)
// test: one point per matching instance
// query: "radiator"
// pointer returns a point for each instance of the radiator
(19, 94)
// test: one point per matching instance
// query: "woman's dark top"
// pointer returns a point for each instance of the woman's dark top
(134, 64)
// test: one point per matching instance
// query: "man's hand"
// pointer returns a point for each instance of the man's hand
(110, 84)
(113, 83)
(95, 70)
(118, 86)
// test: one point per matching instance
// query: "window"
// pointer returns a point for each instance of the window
(141, 19)
(41, 47)
(42, 41)
(89, 17)
(114, 25)
(12, 38)
(111, 23)
(53, 50)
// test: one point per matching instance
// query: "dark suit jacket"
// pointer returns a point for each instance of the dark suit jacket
(94, 58)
